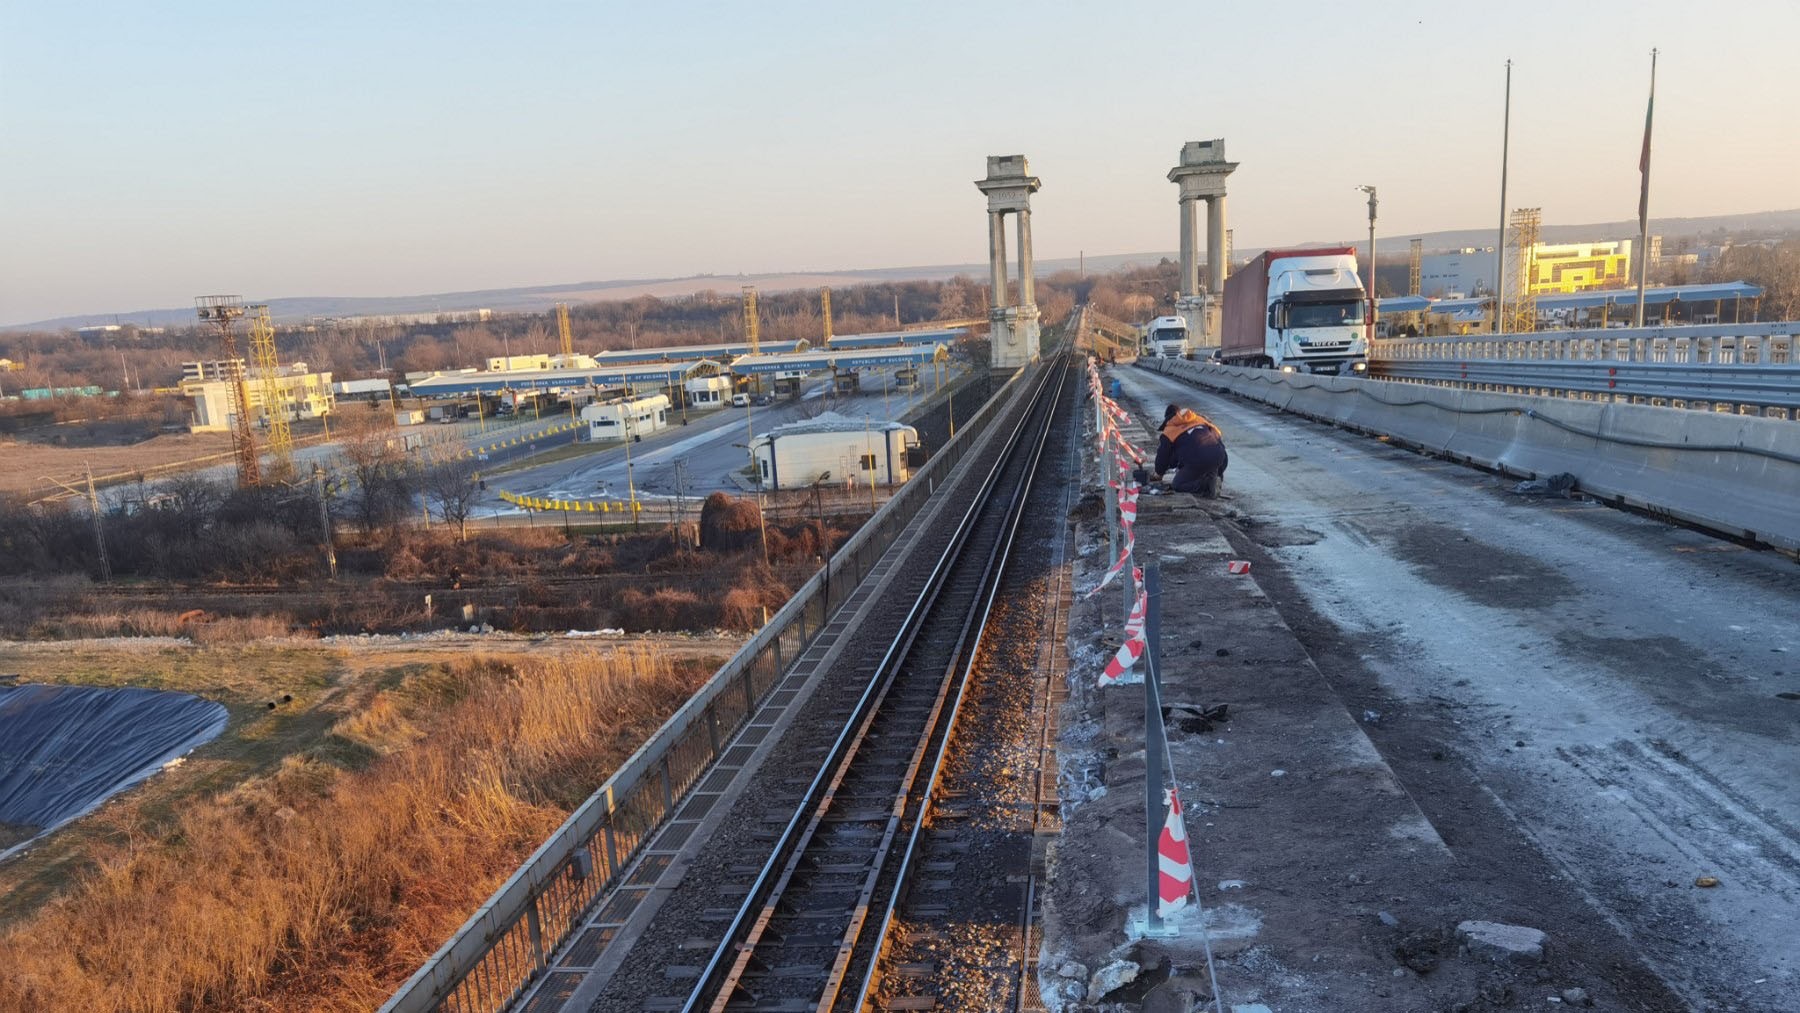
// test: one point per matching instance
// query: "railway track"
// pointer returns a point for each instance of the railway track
(815, 907)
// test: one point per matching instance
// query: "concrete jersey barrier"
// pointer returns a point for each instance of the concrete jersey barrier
(1736, 474)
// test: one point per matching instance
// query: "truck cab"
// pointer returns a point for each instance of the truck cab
(1167, 338)
(1298, 311)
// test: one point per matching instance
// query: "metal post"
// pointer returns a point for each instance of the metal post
(99, 524)
(1155, 742)
(1500, 246)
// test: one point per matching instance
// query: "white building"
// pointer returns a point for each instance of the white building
(708, 391)
(626, 418)
(539, 361)
(305, 395)
(835, 450)
(375, 387)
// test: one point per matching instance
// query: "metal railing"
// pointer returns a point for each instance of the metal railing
(1747, 368)
(507, 944)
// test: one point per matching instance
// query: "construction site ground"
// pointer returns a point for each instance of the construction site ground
(1324, 885)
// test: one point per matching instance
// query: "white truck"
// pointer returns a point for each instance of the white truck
(1166, 338)
(1298, 311)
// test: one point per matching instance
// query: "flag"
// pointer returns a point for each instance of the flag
(1644, 160)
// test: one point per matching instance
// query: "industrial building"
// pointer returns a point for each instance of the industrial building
(834, 449)
(1728, 302)
(687, 353)
(642, 377)
(878, 339)
(626, 418)
(1555, 268)
(540, 361)
(307, 395)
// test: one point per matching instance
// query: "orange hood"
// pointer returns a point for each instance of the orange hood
(1184, 420)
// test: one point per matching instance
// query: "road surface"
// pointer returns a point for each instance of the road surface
(1624, 695)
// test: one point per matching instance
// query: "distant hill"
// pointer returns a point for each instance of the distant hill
(542, 297)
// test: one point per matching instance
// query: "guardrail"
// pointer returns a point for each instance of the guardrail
(1735, 474)
(1749, 366)
(507, 943)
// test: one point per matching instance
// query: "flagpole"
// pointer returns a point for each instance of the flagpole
(1643, 250)
(1500, 245)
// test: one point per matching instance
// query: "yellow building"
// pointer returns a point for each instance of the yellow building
(307, 395)
(1580, 267)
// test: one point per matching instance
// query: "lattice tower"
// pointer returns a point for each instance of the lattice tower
(274, 401)
(223, 311)
(1521, 299)
(562, 330)
(1416, 268)
(750, 318)
(825, 311)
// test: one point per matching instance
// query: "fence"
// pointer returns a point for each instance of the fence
(507, 943)
(1748, 368)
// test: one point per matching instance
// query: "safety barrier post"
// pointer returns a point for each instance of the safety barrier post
(1155, 743)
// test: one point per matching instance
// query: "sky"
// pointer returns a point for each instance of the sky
(152, 152)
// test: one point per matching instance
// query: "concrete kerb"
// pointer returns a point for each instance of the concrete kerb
(1696, 467)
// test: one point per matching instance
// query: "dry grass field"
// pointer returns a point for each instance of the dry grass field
(361, 802)
(28, 464)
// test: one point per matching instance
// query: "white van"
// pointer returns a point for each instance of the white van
(740, 400)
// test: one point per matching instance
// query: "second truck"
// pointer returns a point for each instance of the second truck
(1299, 310)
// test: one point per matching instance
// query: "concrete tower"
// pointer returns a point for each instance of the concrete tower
(1013, 325)
(1201, 176)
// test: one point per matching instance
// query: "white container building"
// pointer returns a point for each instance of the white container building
(835, 450)
(708, 391)
(625, 418)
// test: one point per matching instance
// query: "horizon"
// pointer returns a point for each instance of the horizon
(630, 288)
(369, 152)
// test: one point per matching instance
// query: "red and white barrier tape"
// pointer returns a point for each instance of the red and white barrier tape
(1135, 643)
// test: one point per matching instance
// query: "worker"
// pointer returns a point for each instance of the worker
(1194, 449)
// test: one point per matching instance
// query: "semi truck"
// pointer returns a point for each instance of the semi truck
(1166, 338)
(1297, 310)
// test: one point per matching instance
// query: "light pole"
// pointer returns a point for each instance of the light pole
(1369, 328)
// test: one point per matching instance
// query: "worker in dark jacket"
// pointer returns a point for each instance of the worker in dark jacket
(1195, 449)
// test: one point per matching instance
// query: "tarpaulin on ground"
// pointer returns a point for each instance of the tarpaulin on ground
(65, 749)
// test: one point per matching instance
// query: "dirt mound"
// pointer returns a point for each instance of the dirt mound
(728, 523)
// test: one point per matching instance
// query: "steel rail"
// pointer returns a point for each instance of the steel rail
(908, 859)
(720, 978)
(505, 947)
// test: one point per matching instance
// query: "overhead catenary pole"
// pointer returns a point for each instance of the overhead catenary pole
(1643, 250)
(1369, 325)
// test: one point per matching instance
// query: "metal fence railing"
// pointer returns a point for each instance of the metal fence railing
(509, 941)
(1746, 368)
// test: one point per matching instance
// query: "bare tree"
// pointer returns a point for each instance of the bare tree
(450, 483)
(380, 472)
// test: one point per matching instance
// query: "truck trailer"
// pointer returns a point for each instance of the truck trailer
(1297, 310)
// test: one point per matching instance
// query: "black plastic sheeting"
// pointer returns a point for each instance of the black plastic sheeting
(65, 749)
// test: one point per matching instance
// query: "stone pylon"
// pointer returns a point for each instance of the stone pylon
(1013, 324)
(1201, 176)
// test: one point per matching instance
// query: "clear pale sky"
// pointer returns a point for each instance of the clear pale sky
(153, 151)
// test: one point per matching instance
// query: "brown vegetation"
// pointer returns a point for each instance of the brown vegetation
(320, 887)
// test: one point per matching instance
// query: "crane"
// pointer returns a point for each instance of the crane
(223, 311)
(268, 371)
(562, 330)
(750, 327)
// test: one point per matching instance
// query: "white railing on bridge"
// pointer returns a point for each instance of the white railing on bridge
(1721, 344)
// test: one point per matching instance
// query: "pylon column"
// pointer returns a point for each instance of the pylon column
(1201, 177)
(1013, 326)
(997, 257)
(1027, 282)
(1215, 246)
